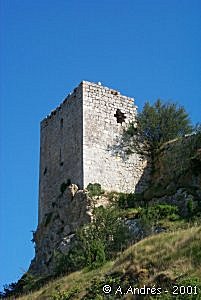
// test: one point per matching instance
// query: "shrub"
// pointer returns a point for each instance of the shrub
(151, 215)
(74, 260)
(94, 189)
(108, 229)
(160, 211)
(28, 282)
(96, 242)
(65, 295)
(126, 200)
(96, 254)
(129, 200)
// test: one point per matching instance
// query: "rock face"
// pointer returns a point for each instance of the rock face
(70, 210)
(177, 176)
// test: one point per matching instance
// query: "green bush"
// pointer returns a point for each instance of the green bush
(96, 242)
(160, 211)
(107, 230)
(96, 254)
(27, 283)
(126, 200)
(129, 200)
(152, 214)
(94, 189)
(74, 260)
(65, 295)
(173, 217)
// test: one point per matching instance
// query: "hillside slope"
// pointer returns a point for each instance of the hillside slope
(164, 260)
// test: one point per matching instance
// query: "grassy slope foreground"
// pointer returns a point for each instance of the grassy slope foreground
(163, 260)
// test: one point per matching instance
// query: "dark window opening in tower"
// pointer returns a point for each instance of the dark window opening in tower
(120, 116)
(45, 171)
(60, 158)
(61, 123)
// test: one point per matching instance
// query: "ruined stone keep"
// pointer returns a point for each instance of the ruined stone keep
(80, 143)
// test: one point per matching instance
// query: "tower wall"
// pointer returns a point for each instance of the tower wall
(80, 142)
(61, 150)
(106, 113)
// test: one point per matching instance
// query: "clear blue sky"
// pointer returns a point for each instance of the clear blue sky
(147, 49)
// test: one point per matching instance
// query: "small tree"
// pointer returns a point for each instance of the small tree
(155, 125)
(96, 242)
(107, 230)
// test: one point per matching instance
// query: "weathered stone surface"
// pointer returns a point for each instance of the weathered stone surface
(57, 231)
(80, 143)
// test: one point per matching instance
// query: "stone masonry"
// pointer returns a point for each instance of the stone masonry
(80, 143)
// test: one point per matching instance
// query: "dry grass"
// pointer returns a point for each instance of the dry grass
(176, 254)
(80, 280)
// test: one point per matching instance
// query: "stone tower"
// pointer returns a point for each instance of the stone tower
(80, 144)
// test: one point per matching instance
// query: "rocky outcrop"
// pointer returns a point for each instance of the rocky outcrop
(56, 232)
(176, 179)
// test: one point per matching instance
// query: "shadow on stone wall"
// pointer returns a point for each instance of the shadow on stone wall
(145, 179)
(141, 164)
(176, 173)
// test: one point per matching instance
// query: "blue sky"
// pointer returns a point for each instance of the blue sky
(147, 49)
